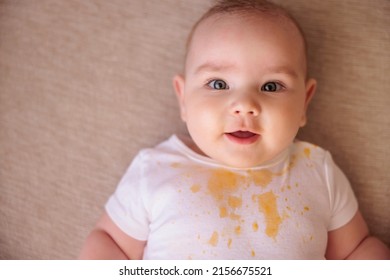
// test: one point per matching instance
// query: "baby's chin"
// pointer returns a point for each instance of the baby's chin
(244, 159)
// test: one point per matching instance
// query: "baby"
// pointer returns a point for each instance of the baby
(241, 186)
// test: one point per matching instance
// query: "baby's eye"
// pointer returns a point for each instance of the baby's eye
(271, 87)
(218, 84)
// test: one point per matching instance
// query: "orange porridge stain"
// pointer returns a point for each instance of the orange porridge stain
(214, 239)
(234, 217)
(234, 202)
(175, 165)
(267, 205)
(254, 198)
(264, 177)
(223, 213)
(237, 230)
(222, 181)
(289, 187)
(229, 244)
(261, 177)
(306, 208)
(253, 253)
(195, 188)
(293, 161)
(255, 226)
(307, 152)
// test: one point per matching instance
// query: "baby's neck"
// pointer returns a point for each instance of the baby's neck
(187, 140)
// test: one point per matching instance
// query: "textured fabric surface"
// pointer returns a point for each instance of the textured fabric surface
(85, 84)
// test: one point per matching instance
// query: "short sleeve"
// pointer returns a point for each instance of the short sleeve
(126, 205)
(343, 202)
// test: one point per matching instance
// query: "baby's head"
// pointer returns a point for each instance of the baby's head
(244, 91)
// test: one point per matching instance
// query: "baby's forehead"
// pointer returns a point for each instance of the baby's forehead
(218, 23)
(246, 19)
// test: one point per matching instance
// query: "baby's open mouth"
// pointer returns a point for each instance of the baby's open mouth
(242, 137)
(242, 134)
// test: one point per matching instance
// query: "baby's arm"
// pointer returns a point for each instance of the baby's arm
(107, 241)
(353, 241)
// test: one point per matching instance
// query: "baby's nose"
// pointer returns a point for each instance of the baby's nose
(245, 105)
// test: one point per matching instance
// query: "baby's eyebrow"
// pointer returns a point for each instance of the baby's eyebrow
(283, 70)
(214, 67)
(211, 66)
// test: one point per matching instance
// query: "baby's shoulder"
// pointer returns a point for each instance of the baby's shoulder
(165, 153)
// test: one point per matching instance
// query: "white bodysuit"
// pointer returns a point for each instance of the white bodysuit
(188, 206)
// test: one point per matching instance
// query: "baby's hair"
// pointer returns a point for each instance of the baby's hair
(248, 8)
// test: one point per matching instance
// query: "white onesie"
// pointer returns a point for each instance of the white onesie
(188, 206)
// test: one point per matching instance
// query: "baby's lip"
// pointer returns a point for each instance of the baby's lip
(242, 137)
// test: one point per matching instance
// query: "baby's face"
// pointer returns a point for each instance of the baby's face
(244, 94)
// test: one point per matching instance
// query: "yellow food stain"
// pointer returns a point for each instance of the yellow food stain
(223, 213)
(237, 230)
(261, 177)
(253, 253)
(234, 202)
(220, 185)
(254, 198)
(222, 181)
(267, 205)
(175, 165)
(306, 208)
(255, 226)
(292, 163)
(307, 152)
(229, 244)
(264, 177)
(214, 239)
(234, 217)
(195, 188)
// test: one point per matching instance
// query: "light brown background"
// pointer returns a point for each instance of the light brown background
(85, 84)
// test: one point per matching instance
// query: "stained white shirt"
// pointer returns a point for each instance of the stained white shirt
(188, 206)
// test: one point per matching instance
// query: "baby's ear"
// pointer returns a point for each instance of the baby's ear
(310, 89)
(178, 86)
